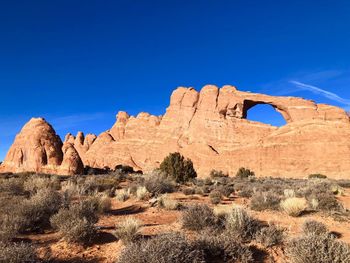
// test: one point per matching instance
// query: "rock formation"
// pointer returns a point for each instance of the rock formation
(37, 148)
(211, 128)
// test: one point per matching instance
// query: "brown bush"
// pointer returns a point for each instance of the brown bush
(314, 228)
(241, 225)
(223, 248)
(76, 223)
(265, 201)
(17, 253)
(318, 248)
(198, 217)
(215, 197)
(270, 236)
(174, 248)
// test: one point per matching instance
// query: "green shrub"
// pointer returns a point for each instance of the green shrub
(244, 173)
(176, 167)
(270, 236)
(198, 217)
(76, 223)
(265, 201)
(17, 253)
(318, 248)
(215, 197)
(174, 248)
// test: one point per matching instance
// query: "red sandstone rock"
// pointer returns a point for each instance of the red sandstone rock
(211, 128)
(37, 148)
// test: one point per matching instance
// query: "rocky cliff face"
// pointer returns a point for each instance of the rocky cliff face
(211, 128)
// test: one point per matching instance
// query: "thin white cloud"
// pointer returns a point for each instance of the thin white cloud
(322, 92)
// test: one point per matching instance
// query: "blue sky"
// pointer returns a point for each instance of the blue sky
(77, 63)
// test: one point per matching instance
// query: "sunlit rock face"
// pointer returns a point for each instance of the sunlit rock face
(209, 127)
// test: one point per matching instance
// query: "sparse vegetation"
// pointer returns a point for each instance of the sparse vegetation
(244, 173)
(215, 197)
(164, 201)
(241, 225)
(318, 248)
(122, 195)
(293, 206)
(17, 253)
(172, 247)
(198, 217)
(76, 223)
(270, 236)
(265, 201)
(158, 184)
(128, 230)
(176, 167)
(312, 227)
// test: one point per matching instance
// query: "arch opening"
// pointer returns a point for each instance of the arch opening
(265, 113)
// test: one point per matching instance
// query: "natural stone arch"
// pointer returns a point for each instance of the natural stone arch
(248, 104)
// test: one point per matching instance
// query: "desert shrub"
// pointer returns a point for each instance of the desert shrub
(246, 192)
(76, 223)
(17, 253)
(215, 197)
(318, 248)
(142, 193)
(164, 201)
(125, 169)
(128, 230)
(176, 167)
(244, 173)
(99, 183)
(12, 186)
(100, 202)
(326, 201)
(34, 213)
(265, 201)
(289, 193)
(226, 190)
(36, 183)
(314, 227)
(174, 248)
(270, 236)
(157, 184)
(345, 183)
(198, 217)
(293, 206)
(199, 190)
(317, 176)
(9, 226)
(223, 247)
(188, 191)
(208, 181)
(241, 225)
(122, 195)
(217, 174)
